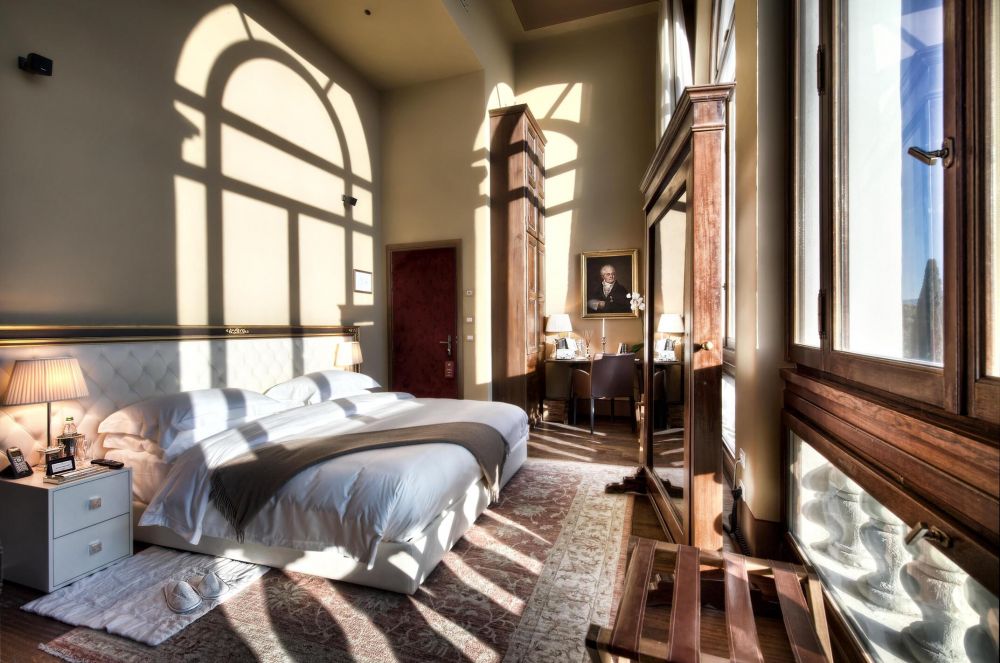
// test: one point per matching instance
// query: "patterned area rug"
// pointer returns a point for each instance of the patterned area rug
(523, 585)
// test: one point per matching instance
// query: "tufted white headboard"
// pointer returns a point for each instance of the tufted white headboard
(120, 372)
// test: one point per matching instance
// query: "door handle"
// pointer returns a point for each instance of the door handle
(930, 157)
(447, 344)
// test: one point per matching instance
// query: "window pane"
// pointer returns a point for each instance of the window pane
(890, 271)
(993, 226)
(807, 179)
(727, 73)
(881, 584)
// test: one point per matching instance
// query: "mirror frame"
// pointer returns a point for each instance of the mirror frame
(691, 157)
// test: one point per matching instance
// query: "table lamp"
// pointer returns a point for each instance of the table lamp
(558, 323)
(347, 354)
(44, 381)
(670, 323)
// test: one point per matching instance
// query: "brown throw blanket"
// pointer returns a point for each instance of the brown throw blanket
(241, 487)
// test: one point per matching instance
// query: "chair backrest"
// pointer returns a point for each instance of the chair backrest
(612, 376)
(659, 385)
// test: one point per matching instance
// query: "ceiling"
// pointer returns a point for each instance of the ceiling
(395, 43)
(402, 42)
(535, 14)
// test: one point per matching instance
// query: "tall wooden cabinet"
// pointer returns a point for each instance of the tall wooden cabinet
(517, 219)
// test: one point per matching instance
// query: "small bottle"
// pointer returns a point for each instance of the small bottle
(67, 440)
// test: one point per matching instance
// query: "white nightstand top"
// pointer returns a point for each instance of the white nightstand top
(35, 480)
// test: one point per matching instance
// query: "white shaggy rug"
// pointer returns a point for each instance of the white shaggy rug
(127, 598)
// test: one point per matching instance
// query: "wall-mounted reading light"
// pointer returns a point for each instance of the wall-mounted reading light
(35, 64)
(349, 200)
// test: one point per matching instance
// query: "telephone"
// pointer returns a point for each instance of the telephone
(18, 467)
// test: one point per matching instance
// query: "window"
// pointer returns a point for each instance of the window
(984, 317)
(806, 284)
(894, 232)
(724, 59)
(882, 584)
(891, 233)
(991, 236)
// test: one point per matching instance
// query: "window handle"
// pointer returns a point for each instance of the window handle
(946, 154)
(922, 531)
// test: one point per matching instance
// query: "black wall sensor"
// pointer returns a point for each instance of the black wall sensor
(35, 64)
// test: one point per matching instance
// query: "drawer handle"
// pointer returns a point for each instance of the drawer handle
(94, 503)
(96, 547)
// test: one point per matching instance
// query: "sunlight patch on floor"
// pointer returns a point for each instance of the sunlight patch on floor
(559, 452)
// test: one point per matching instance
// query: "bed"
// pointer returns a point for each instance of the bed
(382, 518)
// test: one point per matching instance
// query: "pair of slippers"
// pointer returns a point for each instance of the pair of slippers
(183, 597)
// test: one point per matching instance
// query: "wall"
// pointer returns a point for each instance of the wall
(184, 164)
(593, 93)
(762, 180)
(434, 138)
(437, 138)
(430, 133)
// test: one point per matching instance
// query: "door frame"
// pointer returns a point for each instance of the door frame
(459, 342)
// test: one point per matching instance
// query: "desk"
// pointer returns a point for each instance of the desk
(557, 374)
(579, 361)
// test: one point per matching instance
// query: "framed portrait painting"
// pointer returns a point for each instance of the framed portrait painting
(608, 277)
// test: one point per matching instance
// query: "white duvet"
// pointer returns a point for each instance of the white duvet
(352, 502)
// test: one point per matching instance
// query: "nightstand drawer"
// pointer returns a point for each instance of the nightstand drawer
(89, 549)
(91, 502)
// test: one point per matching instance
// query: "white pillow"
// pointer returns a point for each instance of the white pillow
(321, 386)
(131, 443)
(189, 416)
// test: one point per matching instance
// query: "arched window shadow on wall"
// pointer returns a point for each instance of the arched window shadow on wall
(263, 235)
(558, 107)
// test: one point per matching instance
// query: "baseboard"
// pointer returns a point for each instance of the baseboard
(763, 537)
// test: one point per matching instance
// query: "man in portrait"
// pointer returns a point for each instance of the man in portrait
(608, 295)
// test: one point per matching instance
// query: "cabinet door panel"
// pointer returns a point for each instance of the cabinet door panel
(531, 326)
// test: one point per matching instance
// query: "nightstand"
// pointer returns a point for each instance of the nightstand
(54, 534)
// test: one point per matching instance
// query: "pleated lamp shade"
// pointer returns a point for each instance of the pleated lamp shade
(348, 354)
(670, 323)
(558, 323)
(44, 381)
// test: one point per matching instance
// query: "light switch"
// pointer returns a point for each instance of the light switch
(468, 319)
(468, 337)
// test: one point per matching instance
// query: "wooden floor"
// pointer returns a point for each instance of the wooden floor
(613, 443)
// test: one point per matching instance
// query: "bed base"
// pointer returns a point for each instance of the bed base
(399, 566)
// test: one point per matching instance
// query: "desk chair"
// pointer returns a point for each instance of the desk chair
(610, 377)
(660, 404)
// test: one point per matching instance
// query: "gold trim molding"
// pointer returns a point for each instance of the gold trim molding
(20, 335)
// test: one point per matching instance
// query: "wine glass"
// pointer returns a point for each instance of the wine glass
(588, 336)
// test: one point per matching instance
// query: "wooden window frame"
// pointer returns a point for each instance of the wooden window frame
(959, 386)
(983, 389)
(724, 45)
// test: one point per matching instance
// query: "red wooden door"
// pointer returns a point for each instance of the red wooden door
(423, 312)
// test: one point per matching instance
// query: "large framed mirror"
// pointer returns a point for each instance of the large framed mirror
(684, 194)
(668, 240)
